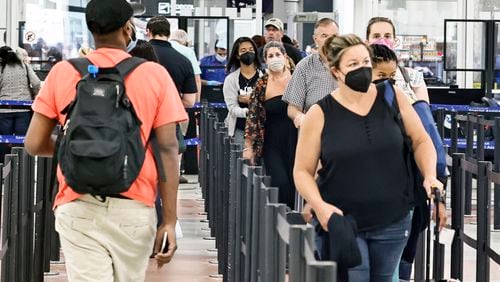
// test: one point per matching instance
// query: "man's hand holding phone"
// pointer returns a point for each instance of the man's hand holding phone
(165, 245)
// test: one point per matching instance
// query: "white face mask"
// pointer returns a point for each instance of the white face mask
(133, 40)
(220, 58)
(276, 65)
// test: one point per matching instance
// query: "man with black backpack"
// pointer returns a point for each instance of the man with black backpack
(110, 106)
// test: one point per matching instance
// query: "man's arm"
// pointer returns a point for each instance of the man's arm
(198, 87)
(38, 138)
(188, 99)
(168, 146)
(295, 114)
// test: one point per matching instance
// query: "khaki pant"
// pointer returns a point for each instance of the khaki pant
(106, 241)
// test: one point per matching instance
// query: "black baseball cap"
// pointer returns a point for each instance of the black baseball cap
(106, 16)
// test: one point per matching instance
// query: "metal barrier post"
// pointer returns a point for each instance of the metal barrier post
(254, 226)
(209, 200)
(42, 199)
(440, 119)
(249, 267)
(469, 156)
(240, 206)
(14, 218)
(233, 223)
(8, 252)
(496, 196)
(480, 138)
(483, 224)
(297, 271)
(454, 133)
(202, 137)
(457, 216)
(217, 192)
(25, 223)
(225, 205)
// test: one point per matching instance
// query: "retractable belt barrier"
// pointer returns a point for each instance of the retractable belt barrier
(257, 238)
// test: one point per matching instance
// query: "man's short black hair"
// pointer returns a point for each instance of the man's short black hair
(106, 16)
(159, 25)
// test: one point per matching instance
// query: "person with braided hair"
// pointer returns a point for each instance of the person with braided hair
(385, 67)
(385, 64)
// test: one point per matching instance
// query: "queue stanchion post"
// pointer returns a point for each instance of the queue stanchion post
(480, 138)
(457, 216)
(483, 223)
(233, 223)
(454, 133)
(8, 251)
(496, 195)
(468, 156)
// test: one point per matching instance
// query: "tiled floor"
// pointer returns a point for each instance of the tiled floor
(191, 262)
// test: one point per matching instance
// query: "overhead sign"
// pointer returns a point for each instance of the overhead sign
(164, 8)
(305, 17)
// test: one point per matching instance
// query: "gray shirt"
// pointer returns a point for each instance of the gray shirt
(310, 82)
(14, 84)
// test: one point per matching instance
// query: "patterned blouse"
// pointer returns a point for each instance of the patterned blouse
(254, 128)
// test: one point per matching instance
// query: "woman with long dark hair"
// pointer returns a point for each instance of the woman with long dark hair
(243, 73)
(17, 82)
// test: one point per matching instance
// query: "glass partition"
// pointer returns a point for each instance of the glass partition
(496, 82)
(54, 33)
(204, 32)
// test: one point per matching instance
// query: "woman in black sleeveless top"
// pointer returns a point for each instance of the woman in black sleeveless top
(361, 149)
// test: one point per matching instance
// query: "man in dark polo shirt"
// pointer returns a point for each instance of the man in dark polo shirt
(178, 66)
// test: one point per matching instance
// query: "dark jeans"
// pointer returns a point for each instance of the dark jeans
(380, 251)
(13, 124)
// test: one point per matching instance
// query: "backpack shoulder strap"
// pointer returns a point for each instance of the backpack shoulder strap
(125, 67)
(389, 93)
(81, 65)
(128, 65)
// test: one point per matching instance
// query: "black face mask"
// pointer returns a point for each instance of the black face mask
(247, 58)
(359, 79)
(381, 80)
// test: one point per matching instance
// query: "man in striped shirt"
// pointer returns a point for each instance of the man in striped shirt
(312, 79)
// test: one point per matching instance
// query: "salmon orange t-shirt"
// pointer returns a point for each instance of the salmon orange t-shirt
(152, 93)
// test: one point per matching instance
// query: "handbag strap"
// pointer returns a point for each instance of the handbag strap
(27, 74)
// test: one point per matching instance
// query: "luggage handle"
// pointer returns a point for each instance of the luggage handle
(437, 199)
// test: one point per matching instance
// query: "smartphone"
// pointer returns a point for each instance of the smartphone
(164, 244)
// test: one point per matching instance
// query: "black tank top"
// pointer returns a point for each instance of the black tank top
(363, 164)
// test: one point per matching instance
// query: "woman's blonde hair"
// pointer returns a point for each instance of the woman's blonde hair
(335, 47)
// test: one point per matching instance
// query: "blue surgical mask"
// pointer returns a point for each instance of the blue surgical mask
(133, 40)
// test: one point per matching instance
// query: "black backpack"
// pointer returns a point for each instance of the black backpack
(100, 150)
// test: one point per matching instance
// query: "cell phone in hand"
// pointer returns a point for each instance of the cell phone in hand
(164, 244)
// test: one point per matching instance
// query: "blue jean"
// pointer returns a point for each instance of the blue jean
(380, 251)
(13, 124)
